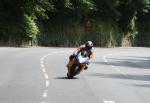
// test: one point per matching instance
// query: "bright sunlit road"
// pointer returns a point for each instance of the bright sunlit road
(38, 75)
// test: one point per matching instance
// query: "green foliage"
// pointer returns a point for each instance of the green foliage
(84, 6)
(73, 34)
(106, 9)
(31, 28)
(61, 22)
(42, 8)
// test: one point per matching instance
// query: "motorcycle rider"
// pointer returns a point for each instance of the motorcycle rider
(88, 46)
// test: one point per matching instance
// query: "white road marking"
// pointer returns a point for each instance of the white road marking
(42, 59)
(43, 70)
(108, 101)
(105, 58)
(44, 56)
(107, 62)
(42, 65)
(42, 62)
(44, 95)
(47, 82)
(46, 76)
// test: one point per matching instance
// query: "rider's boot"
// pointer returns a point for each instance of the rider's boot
(86, 67)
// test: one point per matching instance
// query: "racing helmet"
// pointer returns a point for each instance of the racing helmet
(89, 44)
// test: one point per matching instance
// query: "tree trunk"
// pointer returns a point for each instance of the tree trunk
(125, 41)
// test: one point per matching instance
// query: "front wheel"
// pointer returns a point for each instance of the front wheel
(69, 76)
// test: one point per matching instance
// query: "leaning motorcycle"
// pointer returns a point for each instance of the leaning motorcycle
(78, 63)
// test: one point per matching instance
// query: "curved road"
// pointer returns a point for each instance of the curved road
(38, 75)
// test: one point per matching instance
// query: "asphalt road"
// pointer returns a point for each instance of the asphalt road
(38, 75)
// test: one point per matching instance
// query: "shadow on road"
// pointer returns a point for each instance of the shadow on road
(136, 62)
(120, 76)
(65, 78)
(143, 85)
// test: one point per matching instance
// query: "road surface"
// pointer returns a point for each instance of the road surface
(38, 75)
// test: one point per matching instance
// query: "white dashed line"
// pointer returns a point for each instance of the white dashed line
(44, 56)
(47, 82)
(43, 70)
(42, 59)
(41, 62)
(107, 62)
(42, 65)
(108, 101)
(46, 76)
(44, 95)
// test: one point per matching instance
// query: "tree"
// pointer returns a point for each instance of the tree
(129, 9)
(17, 17)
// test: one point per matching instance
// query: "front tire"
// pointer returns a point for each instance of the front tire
(69, 77)
(75, 69)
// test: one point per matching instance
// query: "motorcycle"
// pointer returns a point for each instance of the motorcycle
(78, 64)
